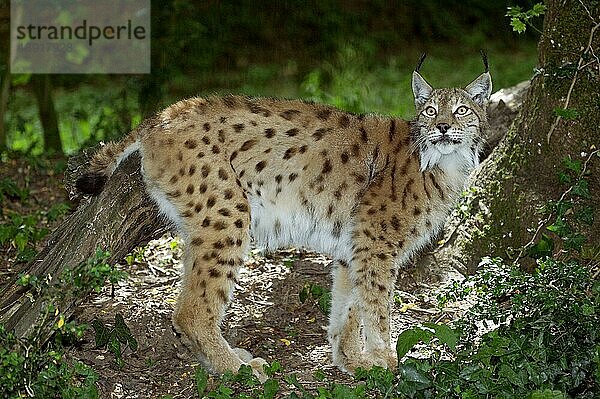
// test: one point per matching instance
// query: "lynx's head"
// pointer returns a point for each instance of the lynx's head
(448, 128)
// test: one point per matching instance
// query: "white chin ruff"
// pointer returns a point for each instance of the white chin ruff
(445, 148)
(448, 156)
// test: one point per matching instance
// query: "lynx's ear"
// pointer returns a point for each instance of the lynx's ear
(480, 89)
(421, 89)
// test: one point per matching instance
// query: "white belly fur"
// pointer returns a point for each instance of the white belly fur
(287, 223)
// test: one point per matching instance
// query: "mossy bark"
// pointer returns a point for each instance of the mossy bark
(521, 175)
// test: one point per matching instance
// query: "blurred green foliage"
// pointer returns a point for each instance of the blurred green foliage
(30, 368)
(357, 55)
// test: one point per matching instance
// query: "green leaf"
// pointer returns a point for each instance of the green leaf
(201, 380)
(574, 241)
(564, 178)
(508, 372)
(409, 338)
(411, 374)
(563, 206)
(325, 303)
(538, 9)
(114, 345)
(542, 248)
(514, 11)
(6, 233)
(585, 215)
(517, 25)
(102, 334)
(57, 211)
(303, 294)
(588, 309)
(566, 113)
(271, 369)
(132, 342)
(317, 291)
(581, 189)
(319, 375)
(20, 78)
(573, 165)
(26, 255)
(21, 241)
(271, 387)
(121, 330)
(445, 334)
(343, 392)
(547, 394)
(559, 227)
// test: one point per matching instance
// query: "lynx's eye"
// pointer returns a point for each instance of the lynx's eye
(430, 112)
(462, 110)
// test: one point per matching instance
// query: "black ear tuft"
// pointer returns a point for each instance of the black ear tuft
(484, 58)
(91, 183)
(420, 62)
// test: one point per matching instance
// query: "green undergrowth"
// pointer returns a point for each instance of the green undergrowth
(27, 370)
(85, 116)
(24, 232)
(25, 219)
(31, 368)
(528, 335)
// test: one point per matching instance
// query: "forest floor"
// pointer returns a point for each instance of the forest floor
(267, 316)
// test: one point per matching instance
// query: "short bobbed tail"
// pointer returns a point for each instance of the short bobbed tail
(104, 162)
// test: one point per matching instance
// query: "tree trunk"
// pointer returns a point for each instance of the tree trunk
(4, 92)
(5, 79)
(42, 88)
(151, 90)
(521, 176)
(123, 217)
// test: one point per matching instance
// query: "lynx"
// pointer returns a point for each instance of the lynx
(367, 190)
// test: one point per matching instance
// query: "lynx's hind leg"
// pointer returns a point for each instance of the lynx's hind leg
(211, 212)
(214, 252)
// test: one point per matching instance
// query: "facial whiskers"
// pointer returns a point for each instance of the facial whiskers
(416, 144)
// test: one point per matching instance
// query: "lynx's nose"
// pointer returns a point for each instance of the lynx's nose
(443, 127)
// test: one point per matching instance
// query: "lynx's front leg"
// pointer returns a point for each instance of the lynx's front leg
(344, 320)
(374, 274)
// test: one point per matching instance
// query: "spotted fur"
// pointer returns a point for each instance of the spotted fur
(367, 190)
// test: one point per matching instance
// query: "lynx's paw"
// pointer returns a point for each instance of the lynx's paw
(256, 363)
(257, 368)
(385, 358)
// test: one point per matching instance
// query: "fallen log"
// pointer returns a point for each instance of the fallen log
(123, 217)
(119, 219)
